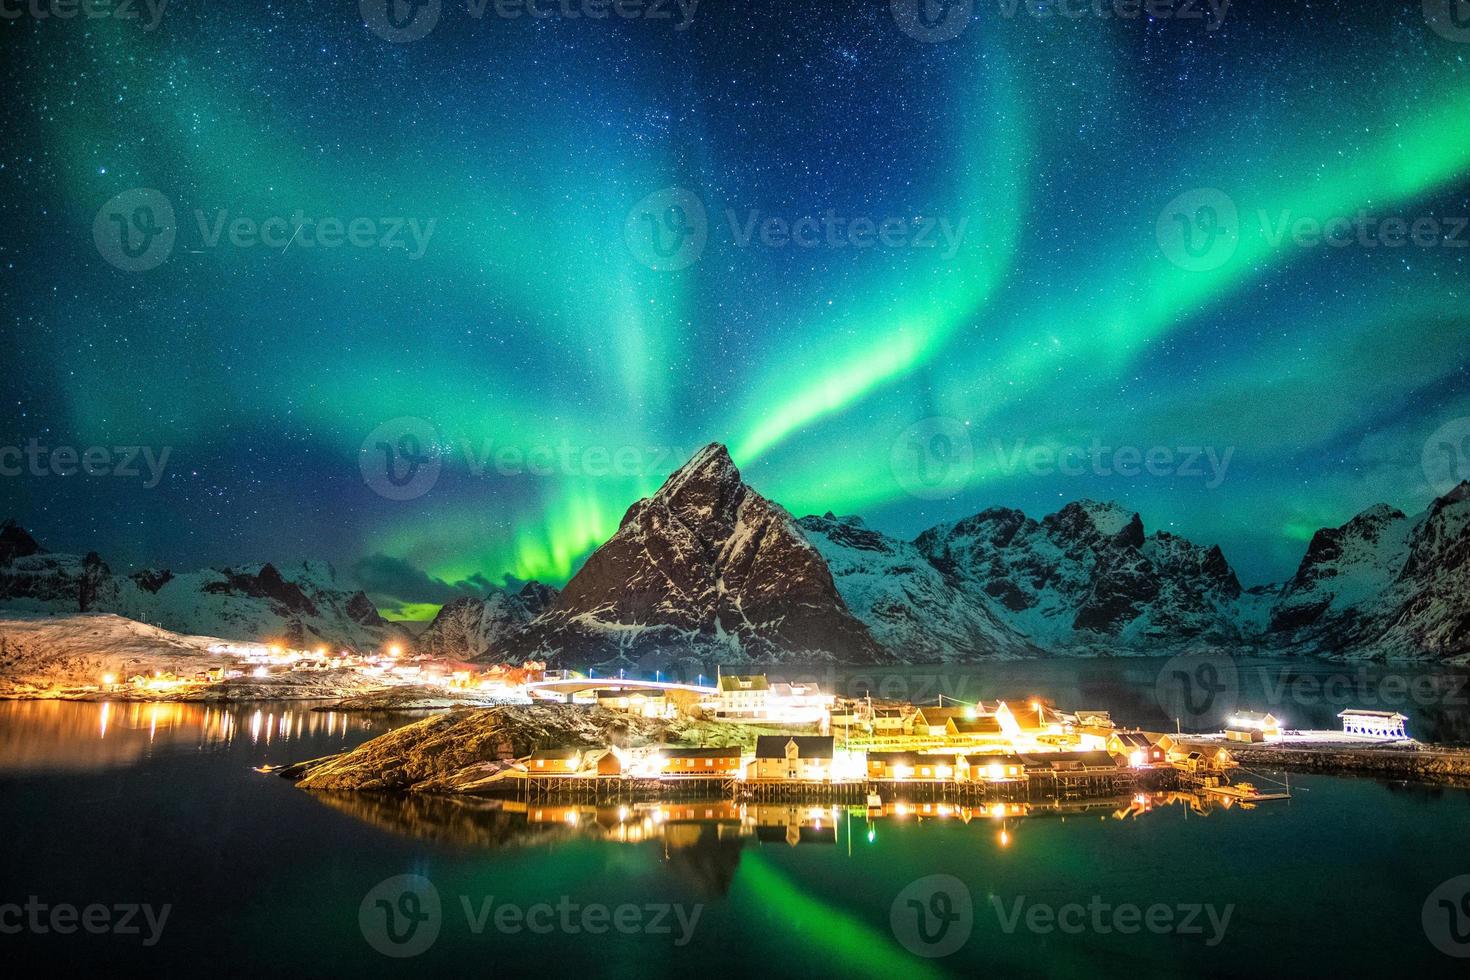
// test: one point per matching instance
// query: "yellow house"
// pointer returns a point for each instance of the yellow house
(554, 762)
(802, 758)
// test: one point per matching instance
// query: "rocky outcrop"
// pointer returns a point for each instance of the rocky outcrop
(705, 567)
(446, 751)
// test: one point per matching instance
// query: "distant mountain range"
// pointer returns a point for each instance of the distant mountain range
(707, 570)
(299, 604)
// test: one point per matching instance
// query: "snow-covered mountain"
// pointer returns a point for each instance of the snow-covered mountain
(708, 568)
(1088, 579)
(299, 605)
(469, 628)
(912, 608)
(1384, 585)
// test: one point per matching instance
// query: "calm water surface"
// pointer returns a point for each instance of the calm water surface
(160, 804)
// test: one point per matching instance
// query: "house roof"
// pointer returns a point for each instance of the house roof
(983, 725)
(934, 715)
(744, 682)
(1363, 713)
(807, 746)
(1136, 739)
(705, 752)
(1254, 716)
(564, 753)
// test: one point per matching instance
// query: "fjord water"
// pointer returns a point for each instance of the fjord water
(160, 804)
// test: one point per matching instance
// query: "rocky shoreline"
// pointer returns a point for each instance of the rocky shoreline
(463, 751)
(1428, 764)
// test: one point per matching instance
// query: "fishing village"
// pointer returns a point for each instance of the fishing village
(617, 742)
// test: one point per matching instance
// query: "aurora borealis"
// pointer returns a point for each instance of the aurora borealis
(561, 376)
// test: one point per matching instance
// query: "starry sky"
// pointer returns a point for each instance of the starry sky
(903, 264)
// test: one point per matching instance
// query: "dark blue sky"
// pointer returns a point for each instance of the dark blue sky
(904, 266)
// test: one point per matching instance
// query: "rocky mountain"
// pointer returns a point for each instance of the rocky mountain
(1384, 585)
(913, 609)
(469, 628)
(300, 604)
(1088, 579)
(708, 568)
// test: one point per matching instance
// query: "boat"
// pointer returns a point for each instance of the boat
(875, 802)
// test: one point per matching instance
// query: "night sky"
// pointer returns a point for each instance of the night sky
(1036, 238)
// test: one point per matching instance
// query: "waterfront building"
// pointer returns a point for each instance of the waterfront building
(1379, 724)
(1135, 749)
(1260, 721)
(706, 761)
(804, 758)
(554, 762)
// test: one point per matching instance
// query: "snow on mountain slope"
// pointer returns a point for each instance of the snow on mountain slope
(706, 567)
(469, 628)
(298, 604)
(1384, 585)
(911, 608)
(1087, 579)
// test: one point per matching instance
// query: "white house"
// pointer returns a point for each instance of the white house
(1379, 724)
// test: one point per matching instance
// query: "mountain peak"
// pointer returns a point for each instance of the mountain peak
(712, 465)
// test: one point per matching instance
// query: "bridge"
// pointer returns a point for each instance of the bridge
(576, 685)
